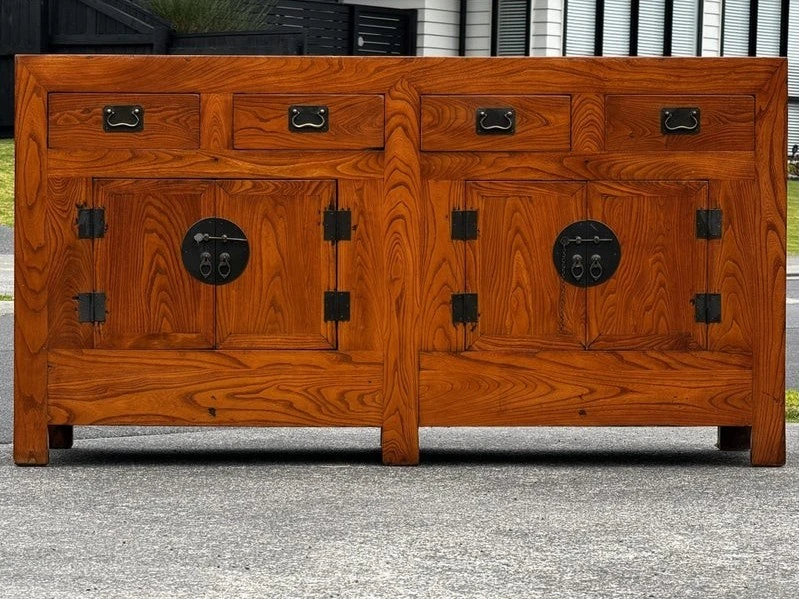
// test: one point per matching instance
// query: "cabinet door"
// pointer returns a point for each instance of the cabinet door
(648, 302)
(278, 301)
(151, 300)
(523, 301)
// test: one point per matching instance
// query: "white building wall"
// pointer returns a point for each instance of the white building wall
(546, 32)
(436, 27)
(478, 28)
(711, 28)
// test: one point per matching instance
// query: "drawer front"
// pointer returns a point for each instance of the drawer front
(639, 123)
(165, 121)
(319, 122)
(534, 124)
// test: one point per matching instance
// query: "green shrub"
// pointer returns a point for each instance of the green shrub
(202, 16)
(792, 405)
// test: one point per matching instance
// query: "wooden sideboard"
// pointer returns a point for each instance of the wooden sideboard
(400, 242)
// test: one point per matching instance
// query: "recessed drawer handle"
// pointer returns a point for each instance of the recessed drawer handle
(123, 118)
(497, 121)
(309, 118)
(679, 121)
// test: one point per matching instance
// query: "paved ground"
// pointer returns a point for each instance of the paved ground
(311, 513)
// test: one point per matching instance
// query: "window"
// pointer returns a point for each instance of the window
(511, 28)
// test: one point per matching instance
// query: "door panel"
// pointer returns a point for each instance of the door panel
(523, 302)
(277, 302)
(151, 300)
(648, 302)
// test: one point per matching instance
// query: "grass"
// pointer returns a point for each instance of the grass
(7, 182)
(199, 16)
(792, 405)
(5, 298)
(793, 217)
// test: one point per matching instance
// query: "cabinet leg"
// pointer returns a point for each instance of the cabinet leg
(734, 438)
(60, 436)
(30, 446)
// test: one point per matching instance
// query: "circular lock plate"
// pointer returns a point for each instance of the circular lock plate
(586, 253)
(215, 251)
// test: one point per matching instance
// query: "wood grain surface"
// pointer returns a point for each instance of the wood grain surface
(402, 216)
(151, 299)
(633, 123)
(215, 388)
(649, 302)
(579, 388)
(216, 121)
(443, 265)
(31, 272)
(261, 121)
(360, 265)
(170, 121)
(542, 123)
(278, 301)
(588, 123)
(71, 263)
(768, 237)
(524, 303)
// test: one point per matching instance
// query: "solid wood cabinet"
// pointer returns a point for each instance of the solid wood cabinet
(400, 242)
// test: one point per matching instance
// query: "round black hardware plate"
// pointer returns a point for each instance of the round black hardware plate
(215, 251)
(586, 253)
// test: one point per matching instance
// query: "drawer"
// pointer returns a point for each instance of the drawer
(303, 122)
(638, 123)
(164, 121)
(534, 124)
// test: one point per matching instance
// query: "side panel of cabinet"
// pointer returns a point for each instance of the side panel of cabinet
(649, 302)
(523, 301)
(151, 300)
(278, 301)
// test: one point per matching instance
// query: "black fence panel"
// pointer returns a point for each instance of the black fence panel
(289, 42)
(327, 27)
(384, 31)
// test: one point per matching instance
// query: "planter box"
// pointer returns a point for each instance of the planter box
(281, 42)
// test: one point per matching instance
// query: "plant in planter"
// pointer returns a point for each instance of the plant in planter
(203, 16)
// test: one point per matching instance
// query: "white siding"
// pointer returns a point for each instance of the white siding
(652, 16)
(437, 24)
(478, 28)
(736, 28)
(685, 28)
(546, 30)
(581, 15)
(616, 31)
(768, 27)
(711, 28)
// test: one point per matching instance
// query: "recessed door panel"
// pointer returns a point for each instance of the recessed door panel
(523, 301)
(648, 302)
(151, 300)
(278, 301)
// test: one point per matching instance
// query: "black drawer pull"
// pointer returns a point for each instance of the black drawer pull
(495, 121)
(679, 121)
(309, 118)
(125, 119)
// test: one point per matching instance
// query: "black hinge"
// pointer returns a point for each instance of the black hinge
(708, 224)
(464, 224)
(464, 308)
(337, 306)
(91, 223)
(337, 225)
(708, 307)
(91, 307)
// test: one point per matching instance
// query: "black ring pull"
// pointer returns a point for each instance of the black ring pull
(577, 267)
(224, 265)
(595, 270)
(206, 268)
(123, 118)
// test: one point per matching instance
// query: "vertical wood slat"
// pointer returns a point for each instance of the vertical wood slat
(71, 265)
(768, 235)
(360, 265)
(442, 265)
(31, 274)
(401, 218)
